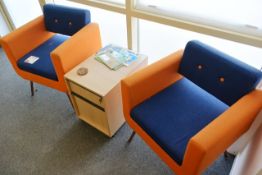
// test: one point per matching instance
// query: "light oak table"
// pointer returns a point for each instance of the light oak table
(96, 96)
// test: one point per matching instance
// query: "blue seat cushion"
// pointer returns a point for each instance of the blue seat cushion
(174, 115)
(43, 66)
(205, 66)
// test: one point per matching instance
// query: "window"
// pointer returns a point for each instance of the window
(22, 12)
(157, 41)
(242, 16)
(4, 27)
(112, 25)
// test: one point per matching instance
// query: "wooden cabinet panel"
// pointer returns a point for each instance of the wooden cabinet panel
(92, 115)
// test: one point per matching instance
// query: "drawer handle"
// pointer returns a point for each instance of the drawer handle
(100, 99)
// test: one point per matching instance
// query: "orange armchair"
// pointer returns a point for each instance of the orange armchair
(192, 105)
(61, 38)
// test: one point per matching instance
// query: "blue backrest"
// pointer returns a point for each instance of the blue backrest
(65, 20)
(221, 75)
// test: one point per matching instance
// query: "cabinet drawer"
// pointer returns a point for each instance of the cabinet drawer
(98, 100)
(92, 115)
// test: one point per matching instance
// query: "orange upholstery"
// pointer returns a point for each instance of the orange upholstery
(80, 46)
(204, 147)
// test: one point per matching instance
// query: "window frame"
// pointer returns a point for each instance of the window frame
(132, 15)
(132, 30)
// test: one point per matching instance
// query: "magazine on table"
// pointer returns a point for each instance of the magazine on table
(115, 57)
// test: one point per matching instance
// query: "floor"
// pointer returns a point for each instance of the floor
(41, 135)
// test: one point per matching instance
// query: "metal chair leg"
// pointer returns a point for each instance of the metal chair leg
(131, 137)
(226, 154)
(32, 88)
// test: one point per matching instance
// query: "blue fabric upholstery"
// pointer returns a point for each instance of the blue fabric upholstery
(205, 66)
(65, 20)
(43, 66)
(174, 115)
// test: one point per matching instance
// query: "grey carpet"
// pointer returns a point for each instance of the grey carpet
(41, 135)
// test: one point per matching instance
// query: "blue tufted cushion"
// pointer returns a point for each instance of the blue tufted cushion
(221, 75)
(43, 66)
(65, 20)
(174, 115)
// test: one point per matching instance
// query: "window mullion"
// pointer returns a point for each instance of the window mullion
(132, 27)
(6, 16)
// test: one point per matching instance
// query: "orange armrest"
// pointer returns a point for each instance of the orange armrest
(216, 137)
(21, 41)
(150, 80)
(79, 47)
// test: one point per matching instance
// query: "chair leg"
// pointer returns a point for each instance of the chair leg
(70, 100)
(226, 154)
(32, 88)
(131, 137)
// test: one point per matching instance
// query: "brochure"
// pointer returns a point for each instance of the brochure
(31, 59)
(115, 57)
